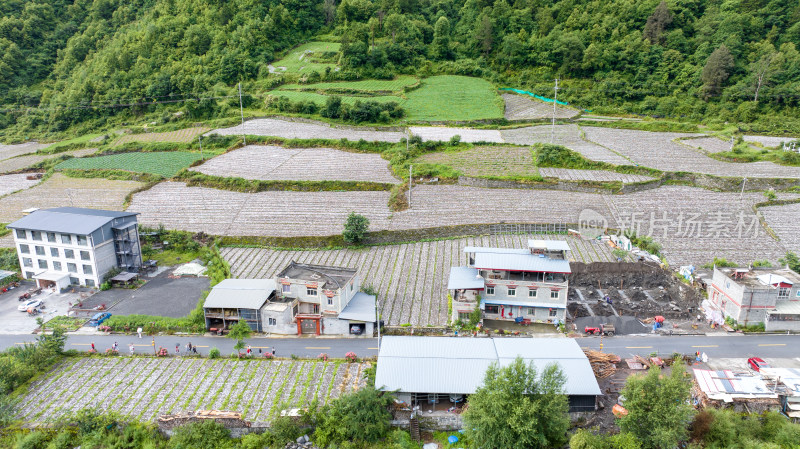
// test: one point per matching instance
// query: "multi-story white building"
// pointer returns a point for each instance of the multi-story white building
(74, 246)
(528, 285)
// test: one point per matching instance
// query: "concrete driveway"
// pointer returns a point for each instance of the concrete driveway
(160, 296)
(12, 321)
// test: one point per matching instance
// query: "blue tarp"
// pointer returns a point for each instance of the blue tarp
(525, 92)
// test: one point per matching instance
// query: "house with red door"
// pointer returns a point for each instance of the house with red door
(513, 285)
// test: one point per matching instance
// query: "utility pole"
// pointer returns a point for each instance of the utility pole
(741, 195)
(241, 109)
(410, 184)
(553, 129)
(201, 146)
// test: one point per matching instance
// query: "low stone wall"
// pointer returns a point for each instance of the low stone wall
(612, 267)
(434, 423)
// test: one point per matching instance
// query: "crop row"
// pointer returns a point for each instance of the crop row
(306, 130)
(309, 164)
(144, 388)
(519, 107)
(12, 183)
(181, 135)
(166, 163)
(566, 135)
(411, 279)
(18, 163)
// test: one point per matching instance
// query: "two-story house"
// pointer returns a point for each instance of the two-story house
(320, 299)
(757, 295)
(513, 284)
(75, 246)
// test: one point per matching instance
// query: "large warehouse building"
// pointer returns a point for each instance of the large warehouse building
(440, 372)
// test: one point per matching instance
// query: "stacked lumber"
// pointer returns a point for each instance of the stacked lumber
(603, 364)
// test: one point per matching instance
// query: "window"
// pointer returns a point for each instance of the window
(492, 309)
(314, 308)
(74, 281)
(43, 264)
(21, 234)
(554, 294)
(532, 293)
(464, 316)
(72, 268)
(24, 249)
(69, 254)
(512, 291)
(54, 252)
(272, 321)
(27, 262)
(29, 274)
(87, 269)
(330, 301)
(51, 237)
(82, 240)
(57, 266)
(36, 235)
(490, 290)
(85, 255)
(89, 283)
(553, 312)
(531, 310)
(783, 293)
(66, 238)
(286, 288)
(39, 250)
(311, 291)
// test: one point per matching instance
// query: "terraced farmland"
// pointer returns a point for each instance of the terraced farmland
(272, 213)
(785, 221)
(313, 164)
(307, 57)
(12, 183)
(320, 99)
(521, 107)
(60, 190)
(164, 163)
(591, 175)
(709, 144)
(453, 98)
(659, 151)
(308, 130)
(487, 161)
(143, 388)
(411, 279)
(398, 84)
(17, 149)
(22, 162)
(566, 135)
(443, 134)
(181, 135)
(769, 141)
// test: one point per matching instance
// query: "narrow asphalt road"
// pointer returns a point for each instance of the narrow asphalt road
(777, 346)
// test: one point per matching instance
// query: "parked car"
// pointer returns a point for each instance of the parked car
(98, 318)
(757, 363)
(29, 304)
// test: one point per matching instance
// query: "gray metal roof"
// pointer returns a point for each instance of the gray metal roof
(68, 220)
(520, 262)
(464, 277)
(457, 365)
(240, 294)
(482, 249)
(551, 245)
(360, 308)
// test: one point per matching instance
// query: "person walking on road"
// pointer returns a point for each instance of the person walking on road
(130, 348)
(93, 350)
(139, 331)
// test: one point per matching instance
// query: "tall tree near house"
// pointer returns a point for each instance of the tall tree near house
(355, 228)
(658, 406)
(517, 407)
(657, 23)
(717, 69)
(239, 332)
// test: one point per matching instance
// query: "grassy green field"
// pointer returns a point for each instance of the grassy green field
(309, 57)
(165, 164)
(320, 99)
(56, 147)
(453, 98)
(398, 85)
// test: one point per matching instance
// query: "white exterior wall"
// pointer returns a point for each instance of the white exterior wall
(105, 258)
(284, 324)
(534, 308)
(60, 246)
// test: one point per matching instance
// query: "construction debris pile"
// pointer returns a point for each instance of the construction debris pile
(604, 365)
(227, 419)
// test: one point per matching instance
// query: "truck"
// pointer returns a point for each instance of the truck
(605, 329)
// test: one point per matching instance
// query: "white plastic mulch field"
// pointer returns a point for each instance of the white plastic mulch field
(303, 164)
(144, 387)
(12, 183)
(411, 279)
(785, 221)
(444, 134)
(307, 130)
(566, 135)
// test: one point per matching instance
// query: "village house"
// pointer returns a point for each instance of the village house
(75, 246)
(757, 295)
(519, 285)
(301, 299)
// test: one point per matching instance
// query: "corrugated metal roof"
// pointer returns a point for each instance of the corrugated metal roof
(520, 262)
(481, 249)
(550, 245)
(68, 220)
(787, 307)
(360, 308)
(464, 277)
(240, 294)
(458, 365)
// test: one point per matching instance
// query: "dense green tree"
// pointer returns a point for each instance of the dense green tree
(239, 332)
(717, 70)
(355, 228)
(361, 418)
(657, 23)
(440, 49)
(517, 407)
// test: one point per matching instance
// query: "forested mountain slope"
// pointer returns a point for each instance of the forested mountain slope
(733, 60)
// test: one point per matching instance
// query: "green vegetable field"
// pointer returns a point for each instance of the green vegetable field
(320, 99)
(308, 57)
(396, 85)
(166, 163)
(453, 98)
